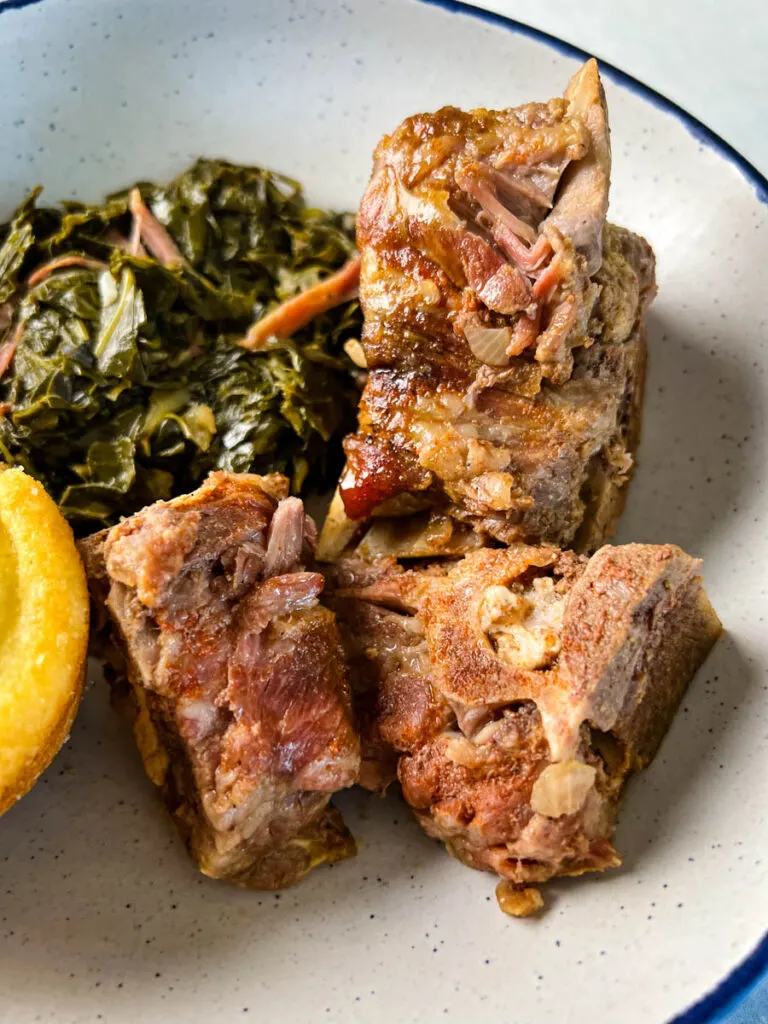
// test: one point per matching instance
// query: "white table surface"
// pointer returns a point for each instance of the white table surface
(709, 56)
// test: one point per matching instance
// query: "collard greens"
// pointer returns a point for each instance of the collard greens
(127, 384)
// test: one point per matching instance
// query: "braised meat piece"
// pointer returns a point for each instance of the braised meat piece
(503, 331)
(516, 690)
(243, 711)
(389, 667)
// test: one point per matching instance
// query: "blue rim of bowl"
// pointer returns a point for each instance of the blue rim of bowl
(744, 979)
(734, 989)
(697, 128)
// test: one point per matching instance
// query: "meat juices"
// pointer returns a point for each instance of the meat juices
(503, 332)
(243, 712)
(514, 692)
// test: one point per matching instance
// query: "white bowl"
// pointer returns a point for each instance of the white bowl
(102, 914)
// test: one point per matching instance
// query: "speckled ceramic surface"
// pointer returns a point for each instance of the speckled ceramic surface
(102, 916)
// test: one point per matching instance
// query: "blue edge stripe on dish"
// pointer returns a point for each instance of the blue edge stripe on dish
(745, 978)
(741, 982)
(696, 128)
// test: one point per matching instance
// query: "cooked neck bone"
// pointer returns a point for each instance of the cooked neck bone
(243, 712)
(517, 689)
(503, 331)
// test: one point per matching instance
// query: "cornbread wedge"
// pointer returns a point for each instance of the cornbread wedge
(43, 632)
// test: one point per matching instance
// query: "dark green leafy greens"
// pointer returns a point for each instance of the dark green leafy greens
(127, 384)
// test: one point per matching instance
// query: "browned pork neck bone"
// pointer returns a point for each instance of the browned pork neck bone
(503, 331)
(243, 709)
(515, 691)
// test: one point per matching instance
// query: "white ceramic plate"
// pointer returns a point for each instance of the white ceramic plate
(102, 916)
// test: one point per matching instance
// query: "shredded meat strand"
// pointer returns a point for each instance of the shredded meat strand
(8, 348)
(297, 312)
(152, 233)
(286, 537)
(60, 263)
